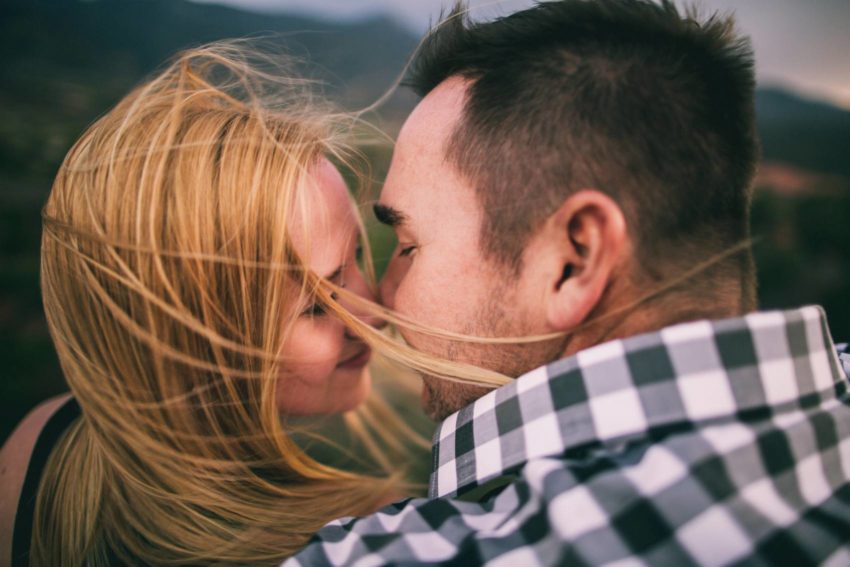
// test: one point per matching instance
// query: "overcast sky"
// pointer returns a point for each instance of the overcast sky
(802, 44)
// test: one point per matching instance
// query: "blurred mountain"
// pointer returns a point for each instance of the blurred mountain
(132, 37)
(811, 135)
(67, 61)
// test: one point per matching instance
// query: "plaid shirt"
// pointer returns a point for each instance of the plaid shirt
(712, 442)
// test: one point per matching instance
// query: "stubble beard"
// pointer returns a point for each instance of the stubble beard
(442, 397)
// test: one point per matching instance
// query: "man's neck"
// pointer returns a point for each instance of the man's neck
(615, 322)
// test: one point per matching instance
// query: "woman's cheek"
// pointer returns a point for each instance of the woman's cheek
(309, 358)
(316, 346)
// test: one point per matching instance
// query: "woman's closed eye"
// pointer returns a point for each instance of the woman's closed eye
(316, 309)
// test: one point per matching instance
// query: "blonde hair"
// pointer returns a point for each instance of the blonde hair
(169, 284)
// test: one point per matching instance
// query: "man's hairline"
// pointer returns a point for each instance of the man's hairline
(486, 243)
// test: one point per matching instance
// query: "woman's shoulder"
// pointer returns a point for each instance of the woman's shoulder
(28, 447)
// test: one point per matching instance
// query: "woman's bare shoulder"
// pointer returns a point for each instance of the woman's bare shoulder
(14, 460)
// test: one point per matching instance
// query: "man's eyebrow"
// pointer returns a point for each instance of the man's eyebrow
(388, 215)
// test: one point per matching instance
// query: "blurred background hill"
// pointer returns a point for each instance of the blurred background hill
(65, 62)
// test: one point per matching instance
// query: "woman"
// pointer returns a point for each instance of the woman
(195, 241)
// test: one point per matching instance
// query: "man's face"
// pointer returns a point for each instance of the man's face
(439, 275)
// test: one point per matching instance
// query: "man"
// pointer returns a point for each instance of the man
(582, 170)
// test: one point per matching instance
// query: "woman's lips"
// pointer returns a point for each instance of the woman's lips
(360, 358)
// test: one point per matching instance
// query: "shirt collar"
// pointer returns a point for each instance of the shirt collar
(649, 385)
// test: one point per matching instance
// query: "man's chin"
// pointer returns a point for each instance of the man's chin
(427, 396)
(441, 397)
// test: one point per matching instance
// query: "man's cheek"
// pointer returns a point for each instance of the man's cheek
(411, 300)
(427, 291)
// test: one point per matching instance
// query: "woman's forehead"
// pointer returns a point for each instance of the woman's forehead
(324, 226)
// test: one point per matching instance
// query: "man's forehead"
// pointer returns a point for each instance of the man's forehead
(420, 149)
(433, 120)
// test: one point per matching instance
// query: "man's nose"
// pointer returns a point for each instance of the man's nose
(387, 287)
(361, 288)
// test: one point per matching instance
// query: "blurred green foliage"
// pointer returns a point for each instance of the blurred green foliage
(803, 254)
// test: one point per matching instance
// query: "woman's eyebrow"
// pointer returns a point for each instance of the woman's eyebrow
(336, 273)
(388, 215)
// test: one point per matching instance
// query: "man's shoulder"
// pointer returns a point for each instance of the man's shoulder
(844, 356)
(745, 445)
(664, 500)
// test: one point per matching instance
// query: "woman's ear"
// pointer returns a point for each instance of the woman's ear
(591, 237)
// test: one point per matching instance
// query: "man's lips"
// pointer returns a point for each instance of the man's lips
(359, 358)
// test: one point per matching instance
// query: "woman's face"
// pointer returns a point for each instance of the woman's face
(324, 364)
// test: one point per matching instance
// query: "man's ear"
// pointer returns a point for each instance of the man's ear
(589, 239)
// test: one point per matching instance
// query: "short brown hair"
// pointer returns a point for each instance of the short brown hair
(629, 97)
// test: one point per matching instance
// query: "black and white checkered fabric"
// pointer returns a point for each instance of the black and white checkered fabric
(844, 356)
(709, 443)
